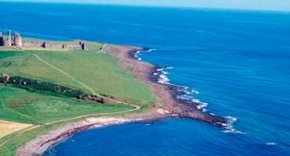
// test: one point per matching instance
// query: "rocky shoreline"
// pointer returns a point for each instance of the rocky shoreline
(167, 106)
(166, 93)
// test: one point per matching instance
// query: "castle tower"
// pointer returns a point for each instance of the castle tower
(1, 39)
(8, 41)
(17, 40)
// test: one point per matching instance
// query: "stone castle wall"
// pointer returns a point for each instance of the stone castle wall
(31, 44)
(18, 42)
(52, 45)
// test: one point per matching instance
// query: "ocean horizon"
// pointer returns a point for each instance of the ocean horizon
(234, 63)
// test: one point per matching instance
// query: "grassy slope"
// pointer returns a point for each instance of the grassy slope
(38, 109)
(22, 106)
(101, 72)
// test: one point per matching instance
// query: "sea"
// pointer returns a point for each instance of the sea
(234, 62)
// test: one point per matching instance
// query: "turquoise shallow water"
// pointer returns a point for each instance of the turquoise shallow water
(238, 61)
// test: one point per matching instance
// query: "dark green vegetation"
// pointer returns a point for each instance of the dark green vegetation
(53, 79)
(48, 87)
(35, 85)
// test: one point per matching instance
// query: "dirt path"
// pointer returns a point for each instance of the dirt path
(101, 51)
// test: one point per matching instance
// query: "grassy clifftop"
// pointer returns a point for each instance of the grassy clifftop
(93, 71)
(101, 73)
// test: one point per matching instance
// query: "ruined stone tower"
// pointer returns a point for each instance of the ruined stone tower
(1, 39)
(8, 41)
(17, 40)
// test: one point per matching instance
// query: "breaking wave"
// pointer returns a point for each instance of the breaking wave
(229, 128)
(137, 53)
(271, 144)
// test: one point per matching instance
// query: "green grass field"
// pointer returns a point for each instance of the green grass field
(89, 71)
(22, 106)
(101, 72)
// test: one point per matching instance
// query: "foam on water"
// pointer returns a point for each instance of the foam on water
(163, 79)
(202, 106)
(271, 144)
(137, 53)
(194, 91)
(150, 50)
(229, 128)
(162, 74)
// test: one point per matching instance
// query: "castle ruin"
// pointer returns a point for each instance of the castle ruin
(17, 41)
(8, 41)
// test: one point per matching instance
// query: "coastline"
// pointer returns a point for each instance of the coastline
(167, 105)
(40, 144)
(166, 93)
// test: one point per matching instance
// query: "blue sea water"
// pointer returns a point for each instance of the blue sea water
(238, 61)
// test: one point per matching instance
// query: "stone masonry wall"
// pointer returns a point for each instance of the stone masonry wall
(18, 42)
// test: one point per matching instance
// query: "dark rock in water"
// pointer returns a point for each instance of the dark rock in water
(218, 121)
(146, 48)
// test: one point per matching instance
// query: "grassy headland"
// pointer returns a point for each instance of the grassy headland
(93, 71)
